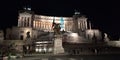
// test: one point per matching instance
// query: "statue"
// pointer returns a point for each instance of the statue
(106, 39)
(56, 29)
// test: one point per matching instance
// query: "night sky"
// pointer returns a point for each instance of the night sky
(104, 15)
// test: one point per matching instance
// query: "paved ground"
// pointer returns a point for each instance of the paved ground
(43, 57)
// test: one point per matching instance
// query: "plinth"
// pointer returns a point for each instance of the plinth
(58, 49)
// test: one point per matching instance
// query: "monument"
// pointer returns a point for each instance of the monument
(58, 49)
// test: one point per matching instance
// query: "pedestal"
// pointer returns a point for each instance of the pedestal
(58, 49)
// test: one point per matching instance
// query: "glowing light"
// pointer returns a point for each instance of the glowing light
(50, 50)
(43, 42)
(45, 49)
(73, 37)
(36, 50)
(74, 34)
(29, 8)
(40, 49)
(77, 12)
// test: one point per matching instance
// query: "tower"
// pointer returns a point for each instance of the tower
(82, 23)
(25, 18)
(75, 21)
(79, 23)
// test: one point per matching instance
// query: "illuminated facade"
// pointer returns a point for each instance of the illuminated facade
(42, 22)
(36, 32)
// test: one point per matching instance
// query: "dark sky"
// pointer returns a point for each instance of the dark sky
(104, 15)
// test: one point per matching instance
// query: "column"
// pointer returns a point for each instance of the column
(79, 25)
(49, 26)
(44, 25)
(40, 24)
(19, 21)
(36, 24)
(68, 27)
(29, 21)
(65, 27)
(86, 24)
(23, 21)
(82, 25)
(33, 24)
(26, 21)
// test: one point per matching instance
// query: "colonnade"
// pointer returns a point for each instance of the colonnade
(43, 25)
(24, 22)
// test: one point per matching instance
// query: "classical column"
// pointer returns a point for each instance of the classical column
(79, 25)
(23, 21)
(65, 27)
(89, 25)
(50, 26)
(29, 22)
(33, 24)
(37, 24)
(26, 22)
(86, 24)
(40, 24)
(19, 21)
(82, 25)
(44, 25)
(68, 27)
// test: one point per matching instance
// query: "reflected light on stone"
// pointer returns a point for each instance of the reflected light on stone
(45, 49)
(72, 59)
(36, 50)
(59, 59)
(50, 50)
(40, 49)
(90, 32)
(43, 42)
(74, 38)
(74, 34)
